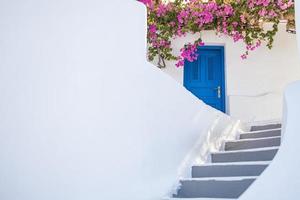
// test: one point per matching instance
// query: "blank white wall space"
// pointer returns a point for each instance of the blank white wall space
(82, 114)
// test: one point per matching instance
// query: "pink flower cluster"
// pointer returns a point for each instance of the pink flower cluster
(237, 36)
(201, 14)
(285, 4)
(251, 47)
(282, 4)
(168, 20)
(264, 12)
(163, 9)
(146, 2)
(161, 43)
(152, 32)
(154, 40)
(183, 17)
(253, 3)
(267, 14)
(189, 53)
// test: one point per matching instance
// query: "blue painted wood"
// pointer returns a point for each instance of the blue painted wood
(204, 76)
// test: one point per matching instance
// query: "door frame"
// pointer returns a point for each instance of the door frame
(221, 48)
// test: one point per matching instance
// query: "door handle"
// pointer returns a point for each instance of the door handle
(218, 91)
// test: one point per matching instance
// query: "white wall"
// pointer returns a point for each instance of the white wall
(254, 86)
(82, 114)
(281, 180)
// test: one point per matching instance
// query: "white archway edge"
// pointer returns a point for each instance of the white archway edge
(82, 113)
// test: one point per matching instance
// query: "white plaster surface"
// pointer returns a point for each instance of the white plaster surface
(83, 115)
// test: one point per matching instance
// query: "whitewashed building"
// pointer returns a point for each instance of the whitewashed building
(84, 116)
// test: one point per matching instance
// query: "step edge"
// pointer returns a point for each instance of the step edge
(253, 139)
(235, 163)
(247, 150)
(229, 178)
(261, 131)
(266, 124)
(198, 198)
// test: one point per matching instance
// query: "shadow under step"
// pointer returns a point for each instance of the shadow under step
(261, 134)
(252, 143)
(265, 127)
(266, 154)
(230, 187)
(229, 169)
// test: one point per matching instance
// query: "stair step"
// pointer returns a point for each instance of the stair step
(265, 127)
(197, 198)
(252, 143)
(261, 134)
(228, 170)
(231, 187)
(264, 154)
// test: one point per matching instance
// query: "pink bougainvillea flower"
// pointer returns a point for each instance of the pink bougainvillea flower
(225, 27)
(183, 16)
(201, 44)
(189, 53)
(263, 12)
(258, 44)
(180, 63)
(172, 24)
(265, 3)
(244, 56)
(180, 32)
(235, 24)
(228, 10)
(272, 13)
(250, 47)
(285, 4)
(146, 2)
(237, 36)
(152, 28)
(251, 4)
(243, 19)
(162, 10)
(206, 17)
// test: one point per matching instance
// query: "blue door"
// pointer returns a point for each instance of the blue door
(205, 77)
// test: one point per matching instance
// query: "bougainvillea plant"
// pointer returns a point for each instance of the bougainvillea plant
(241, 20)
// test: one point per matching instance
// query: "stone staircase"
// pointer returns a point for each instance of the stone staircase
(233, 170)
